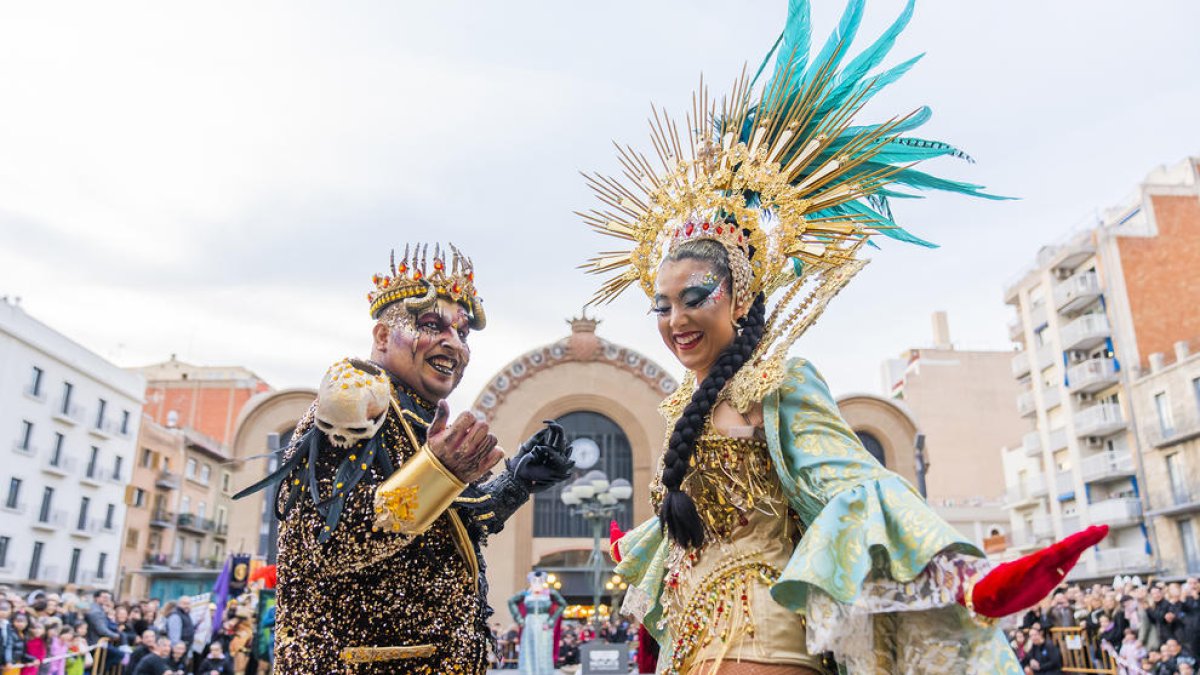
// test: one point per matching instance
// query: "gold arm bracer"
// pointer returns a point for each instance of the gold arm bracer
(415, 495)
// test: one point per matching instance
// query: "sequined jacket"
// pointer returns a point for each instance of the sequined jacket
(370, 600)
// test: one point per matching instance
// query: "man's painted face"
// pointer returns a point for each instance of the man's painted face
(427, 351)
(695, 312)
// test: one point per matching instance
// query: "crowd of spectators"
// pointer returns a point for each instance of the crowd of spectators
(90, 634)
(574, 635)
(1148, 628)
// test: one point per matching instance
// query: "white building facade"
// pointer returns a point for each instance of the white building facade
(68, 420)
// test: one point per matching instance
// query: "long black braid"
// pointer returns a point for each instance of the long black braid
(678, 512)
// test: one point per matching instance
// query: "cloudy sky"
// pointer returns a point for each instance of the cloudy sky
(220, 180)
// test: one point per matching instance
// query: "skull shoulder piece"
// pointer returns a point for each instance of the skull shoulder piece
(352, 402)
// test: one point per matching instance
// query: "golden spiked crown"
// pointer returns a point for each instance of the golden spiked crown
(418, 285)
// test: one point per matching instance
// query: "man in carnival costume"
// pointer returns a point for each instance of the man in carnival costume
(381, 508)
(780, 544)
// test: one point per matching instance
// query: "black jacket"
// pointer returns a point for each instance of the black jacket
(1048, 657)
(153, 664)
(208, 665)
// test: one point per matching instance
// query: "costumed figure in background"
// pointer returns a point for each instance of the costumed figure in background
(381, 512)
(781, 545)
(543, 608)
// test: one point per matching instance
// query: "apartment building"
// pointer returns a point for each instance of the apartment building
(68, 420)
(962, 403)
(1089, 312)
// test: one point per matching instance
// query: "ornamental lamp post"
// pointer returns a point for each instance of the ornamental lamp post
(597, 499)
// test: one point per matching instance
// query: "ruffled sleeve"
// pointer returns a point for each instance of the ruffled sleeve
(854, 509)
(643, 566)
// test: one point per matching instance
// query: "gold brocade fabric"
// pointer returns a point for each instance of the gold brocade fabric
(717, 601)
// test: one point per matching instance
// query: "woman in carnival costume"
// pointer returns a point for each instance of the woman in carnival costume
(543, 607)
(781, 546)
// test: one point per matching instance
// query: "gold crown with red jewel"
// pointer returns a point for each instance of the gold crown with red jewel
(418, 284)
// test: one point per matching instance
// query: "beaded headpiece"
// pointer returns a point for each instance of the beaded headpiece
(778, 174)
(418, 285)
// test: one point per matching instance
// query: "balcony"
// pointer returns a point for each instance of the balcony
(1016, 330)
(188, 521)
(1185, 426)
(37, 394)
(1036, 532)
(1119, 512)
(102, 429)
(1026, 407)
(1071, 524)
(161, 518)
(1021, 364)
(1058, 439)
(85, 528)
(1092, 375)
(1180, 500)
(221, 530)
(1026, 493)
(22, 448)
(94, 578)
(1100, 420)
(1077, 292)
(167, 481)
(68, 412)
(91, 476)
(1086, 332)
(1122, 560)
(1107, 466)
(17, 509)
(156, 560)
(50, 521)
(1064, 482)
(59, 466)
(49, 575)
(1032, 442)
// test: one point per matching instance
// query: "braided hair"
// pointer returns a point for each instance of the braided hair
(678, 512)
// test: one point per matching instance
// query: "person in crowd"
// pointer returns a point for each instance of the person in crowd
(96, 619)
(155, 663)
(179, 658)
(57, 646)
(1060, 615)
(1132, 651)
(1043, 657)
(35, 647)
(216, 663)
(18, 641)
(146, 646)
(80, 654)
(6, 632)
(179, 624)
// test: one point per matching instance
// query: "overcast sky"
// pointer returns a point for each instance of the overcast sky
(220, 180)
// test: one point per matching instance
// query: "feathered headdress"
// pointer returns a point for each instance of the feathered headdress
(779, 174)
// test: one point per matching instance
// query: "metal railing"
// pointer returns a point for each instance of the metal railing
(51, 519)
(68, 412)
(25, 448)
(61, 465)
(167, 480)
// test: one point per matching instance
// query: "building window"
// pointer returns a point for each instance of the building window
(190, 468)
(109, 514)
(1191, 551)
(4, 551)
(102, 566)
(226, 482)
(205, 473)
(93, 466)
(73, 572)
(201, 510)
(44, 512)
(185, 504)
(118, 464)
(14, 493)
(101, 406)
(56, 458)
(124, 422)
(35, 382)
(221, 516)
(131, 538)
(84, 503)
(1196, 391)
(873, 446)
(26, 435)
(1162, 405)
(35, 561)
(551, 517)
(68, 390)
(139, 497)
(147, 458)
(1177, 477)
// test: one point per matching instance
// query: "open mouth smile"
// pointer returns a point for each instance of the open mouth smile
(443, 364)
(687, 341)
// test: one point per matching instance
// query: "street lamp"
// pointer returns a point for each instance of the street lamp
(597, 499)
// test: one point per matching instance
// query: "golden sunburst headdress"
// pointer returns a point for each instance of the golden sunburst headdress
(418, 285)
(778, 174)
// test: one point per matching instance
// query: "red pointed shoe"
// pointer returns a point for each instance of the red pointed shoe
(614, 535)
(1022, 583)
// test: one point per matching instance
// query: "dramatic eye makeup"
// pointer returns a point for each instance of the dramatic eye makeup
(703, 290)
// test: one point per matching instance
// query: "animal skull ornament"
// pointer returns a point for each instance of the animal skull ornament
(352, 402)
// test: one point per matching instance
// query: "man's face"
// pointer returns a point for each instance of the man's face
(1036, 637)
(185, 604)
(149, 638)
(427, 351)
(163, 647)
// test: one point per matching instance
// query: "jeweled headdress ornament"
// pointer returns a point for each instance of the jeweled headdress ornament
(780, 175)
(418, 285)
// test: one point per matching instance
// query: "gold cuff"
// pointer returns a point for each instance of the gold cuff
(415, 495)
(377, 654)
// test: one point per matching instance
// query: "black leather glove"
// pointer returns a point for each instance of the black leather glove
(544, 460)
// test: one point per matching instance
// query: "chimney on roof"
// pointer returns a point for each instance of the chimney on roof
(1156, 362)
(1181, 351)
(941, 331)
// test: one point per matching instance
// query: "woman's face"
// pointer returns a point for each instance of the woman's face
(20, 622)
(695, 312)
(121, 614)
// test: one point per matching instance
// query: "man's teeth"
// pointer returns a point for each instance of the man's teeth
(443, 365)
